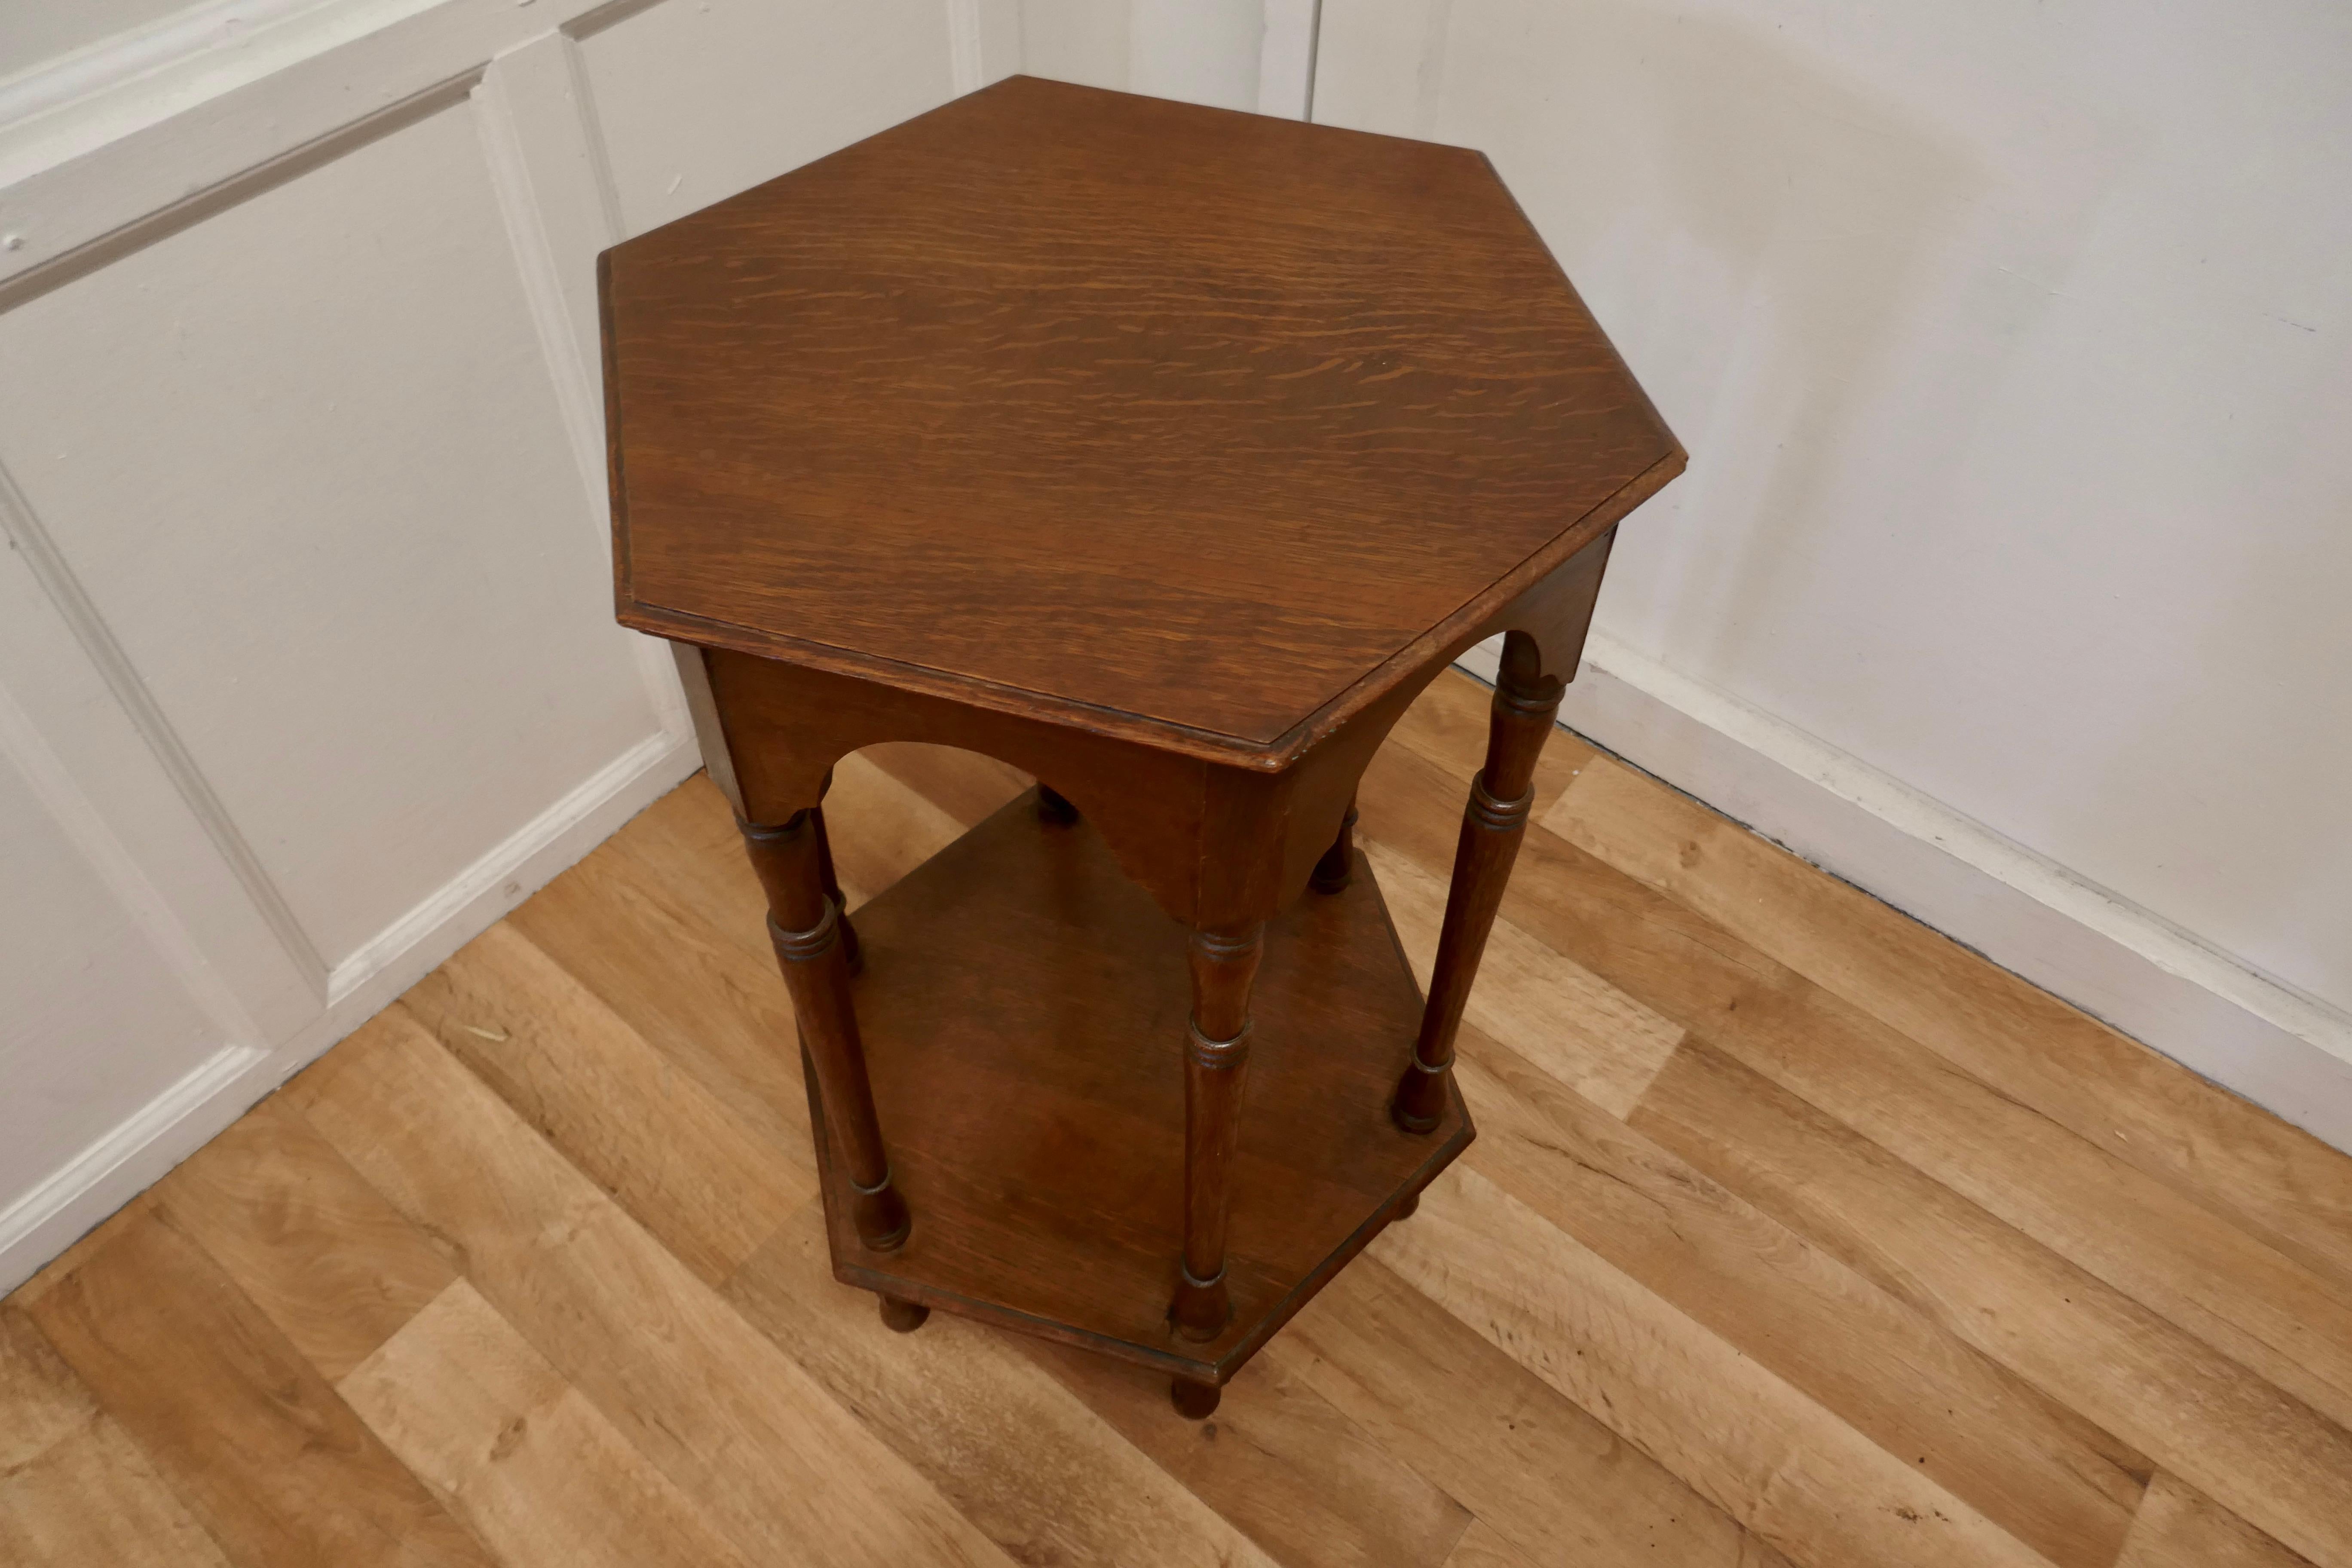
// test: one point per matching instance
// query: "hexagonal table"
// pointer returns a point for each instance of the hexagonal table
(1165, 454)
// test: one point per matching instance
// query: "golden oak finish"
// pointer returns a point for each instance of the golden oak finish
(1196, 427)
(1163, 455)
(1069, 1199)
(1695, 1299)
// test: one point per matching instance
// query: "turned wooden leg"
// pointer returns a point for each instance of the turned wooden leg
(1492, 826)
(805, 923)
(902, 1316)
(1053, 807)
(1193, 1401)
(1216, 1054)
(1337, 867)
(849, 947)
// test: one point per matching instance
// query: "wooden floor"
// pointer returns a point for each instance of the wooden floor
(1793, 1234)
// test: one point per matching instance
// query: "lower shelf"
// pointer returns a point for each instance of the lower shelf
(1023, 1008)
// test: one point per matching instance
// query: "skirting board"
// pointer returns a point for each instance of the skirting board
(145, 1145)
(2287, 1052)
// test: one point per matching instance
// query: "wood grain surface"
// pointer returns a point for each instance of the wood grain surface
(1017, 995)
(1791, 1240)
(1168, 418)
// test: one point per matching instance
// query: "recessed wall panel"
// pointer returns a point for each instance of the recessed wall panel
(306, 459)
(97, 1023)
(700, 98)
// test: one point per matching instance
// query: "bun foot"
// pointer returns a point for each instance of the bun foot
(902, 1316)
(1193, 1401)
(1405, 1209)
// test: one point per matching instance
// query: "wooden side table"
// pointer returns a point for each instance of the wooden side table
(1165, 454)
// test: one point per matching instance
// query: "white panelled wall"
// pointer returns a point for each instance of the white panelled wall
(2009, 344)
(307, 669)
(2007, 341)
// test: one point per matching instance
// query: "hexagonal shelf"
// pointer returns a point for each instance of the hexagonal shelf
(1020, 955)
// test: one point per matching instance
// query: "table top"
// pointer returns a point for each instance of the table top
(1202, 428)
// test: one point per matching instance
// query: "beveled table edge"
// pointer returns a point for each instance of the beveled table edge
(1449, 637)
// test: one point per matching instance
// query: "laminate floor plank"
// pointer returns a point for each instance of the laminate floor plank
(1290, 1469)
(1558, 1484)
(2179, 1529)
(1892, 1373)
(75, 1490)
(2138, 1234)
(57, 1269)
(91, 1500)
(1795, 1236)
(1482, 1546)
(1780, 1464)
(2212, 1146)
(637, 936)
(41, 1400)
(663, 1145)
(2201, 1272)
(2256, 1449)
(758, 1446)
(1030, 1465)
(1575, 1025)
(244, 1430)
(336, 1268)
(518, 1453)
(686, 843)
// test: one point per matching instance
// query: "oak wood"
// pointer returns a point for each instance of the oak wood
(1216, 1066)
(1194, 1401)
(1052, 808)
(903, 1317)
(1337, 867)
(1194, 426)
(1526, 700)
(1221, 847)
(806, 925)
(1023, 1015)
(830, 882)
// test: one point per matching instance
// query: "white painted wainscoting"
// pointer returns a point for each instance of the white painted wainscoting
(306, 665)
(2008, 577)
